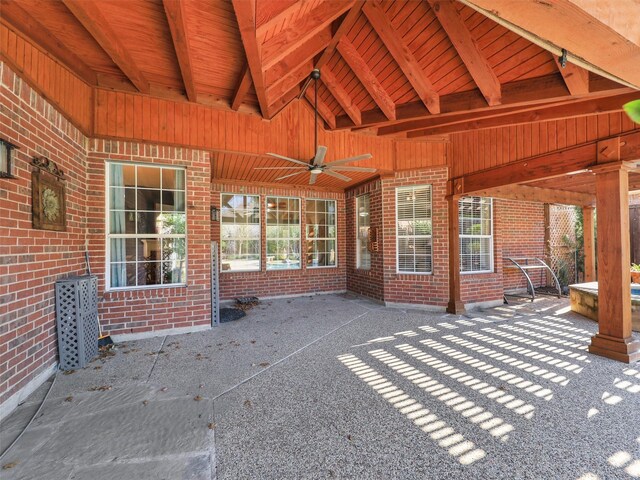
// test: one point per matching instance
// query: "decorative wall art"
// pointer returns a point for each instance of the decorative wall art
(48, 196)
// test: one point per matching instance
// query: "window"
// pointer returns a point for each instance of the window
(476, 234)
(283, 233)
(363, 222)
(321, 233)
(239, 232)
(146, 225)
(413, 233)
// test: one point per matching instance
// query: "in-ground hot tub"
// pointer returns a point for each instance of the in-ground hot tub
(584, 300)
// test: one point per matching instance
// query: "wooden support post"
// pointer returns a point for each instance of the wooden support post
(455, 305)
(588, 232)
(614, 338)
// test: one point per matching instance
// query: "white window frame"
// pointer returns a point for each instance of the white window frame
(335, 226)
(109, 236)
(234, 223)
(490, 237)
(359, 239)
(266, 232)
(413, 188)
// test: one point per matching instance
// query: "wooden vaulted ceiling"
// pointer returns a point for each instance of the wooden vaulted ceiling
(405, 68)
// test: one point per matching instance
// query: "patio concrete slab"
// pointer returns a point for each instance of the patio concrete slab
(353, 390)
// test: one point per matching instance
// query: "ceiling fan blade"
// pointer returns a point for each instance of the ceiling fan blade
(290, 175)
(312, 179)
(350, 169)
(337, 175)
(351, 159)
(320, 154)
(280, 168)
(300, 162)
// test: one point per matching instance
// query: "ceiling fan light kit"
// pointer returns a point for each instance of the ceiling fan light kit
(316, 165)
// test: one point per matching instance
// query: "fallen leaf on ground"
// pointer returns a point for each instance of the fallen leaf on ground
(197, 398)
(248, 404)
(349, 437)
(69, 398)
(201, 386)
(163, 389)
(102, 388)
(145, 402)
(97, 367)
(253, 341)
(7, 466)
(211, 426)
(68, 372)
(264, 364)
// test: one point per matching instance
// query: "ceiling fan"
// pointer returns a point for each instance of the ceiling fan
(316, 165)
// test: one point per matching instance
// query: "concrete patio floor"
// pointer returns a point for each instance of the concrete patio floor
(335, 386)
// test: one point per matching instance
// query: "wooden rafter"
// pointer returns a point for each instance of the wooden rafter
(566, 24)
(402, 55)
(283, 101)
(520, 92)
(529, 193)
(285, 42)
(15, 17)
(367, 78)
(300, 55)
(174, 10)
(242, 87)
(90, 16)
(346, 24)
(341, 95)
(553, 112)
(323, 110)
(273, 12)
(289, 82)
(576, 78)
(469, 52)
(246, 15)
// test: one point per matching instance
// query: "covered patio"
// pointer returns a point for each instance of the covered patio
(386, 158)
(337, 386)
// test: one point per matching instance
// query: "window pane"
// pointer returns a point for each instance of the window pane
(148, 177)
(172, 179)
(283, 233)
(321, 233)
(476, 241)
(240, 232)
(148, 199)
(363, 256)
(414, 229)
(172, 223)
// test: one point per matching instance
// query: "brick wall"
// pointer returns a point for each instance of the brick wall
(285, 282)
(153, 308)
(32, 260)
(369, 283)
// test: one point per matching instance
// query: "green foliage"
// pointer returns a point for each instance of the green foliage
(633, 110)
(635, 267)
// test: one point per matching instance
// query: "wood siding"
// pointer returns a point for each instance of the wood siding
(483, 149)
(70, 95)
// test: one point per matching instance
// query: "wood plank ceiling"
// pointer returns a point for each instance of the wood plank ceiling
(395, 67)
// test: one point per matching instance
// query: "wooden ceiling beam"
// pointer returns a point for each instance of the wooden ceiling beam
(15, 17)
(301, 54)
(471, 55)
(521, 92)
(527, 193)
(574, 26)
(285, 42)
(575, 77)
(575, 108)
(340, 94)
(284, 100)
(289, 82)
(402, 55)
(242, 87)
(569, 160)
(174, 10)
(323, 110)
(246, 16)
(346, 24)
(91, 18)
(367, 78)
(280, 9)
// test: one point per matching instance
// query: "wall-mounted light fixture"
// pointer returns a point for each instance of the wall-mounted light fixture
(215, 214)
(6, 159)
